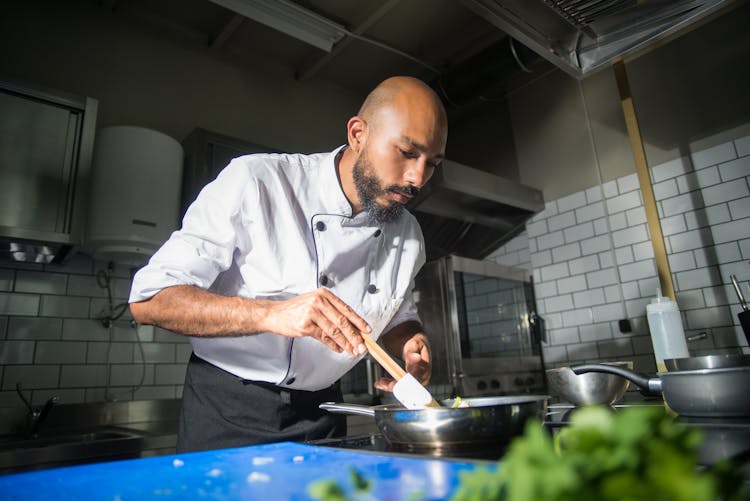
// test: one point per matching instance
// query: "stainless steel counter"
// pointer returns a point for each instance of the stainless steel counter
(85, 433)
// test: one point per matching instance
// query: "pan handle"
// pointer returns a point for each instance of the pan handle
(356, 409)
(737, 289)
(648, 386)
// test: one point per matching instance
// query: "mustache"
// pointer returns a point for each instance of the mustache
(412, 191)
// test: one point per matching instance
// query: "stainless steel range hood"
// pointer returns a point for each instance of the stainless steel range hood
(469, 212)
(581, 36)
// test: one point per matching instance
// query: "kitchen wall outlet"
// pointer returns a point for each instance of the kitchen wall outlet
(624, 325)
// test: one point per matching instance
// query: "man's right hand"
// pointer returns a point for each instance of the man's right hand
(319, 314)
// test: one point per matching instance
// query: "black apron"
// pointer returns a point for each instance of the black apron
(221, 410)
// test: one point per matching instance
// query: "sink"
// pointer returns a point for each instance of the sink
(51, 449)
(10, 442)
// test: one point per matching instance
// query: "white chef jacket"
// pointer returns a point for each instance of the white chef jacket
(274, 226)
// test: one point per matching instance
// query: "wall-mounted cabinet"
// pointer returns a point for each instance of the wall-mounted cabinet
(46, 142)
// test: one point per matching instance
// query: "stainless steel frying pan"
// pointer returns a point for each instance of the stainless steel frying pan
(487, 420)
(700, 393)
(707, 362)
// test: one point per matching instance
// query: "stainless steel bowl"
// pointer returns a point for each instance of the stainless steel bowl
(590, 388)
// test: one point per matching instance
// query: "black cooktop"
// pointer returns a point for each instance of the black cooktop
(726, 437)
(723, 437)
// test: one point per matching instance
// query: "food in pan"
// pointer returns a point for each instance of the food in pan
(458, 402)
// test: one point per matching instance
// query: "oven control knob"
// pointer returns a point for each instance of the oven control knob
(518, 381)
(481, 385)
(529, 381)
(494, 384)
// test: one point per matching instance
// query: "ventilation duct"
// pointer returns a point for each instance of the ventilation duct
(469, 212)
(581, 36)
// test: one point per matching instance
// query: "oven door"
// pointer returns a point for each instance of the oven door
(479, 316)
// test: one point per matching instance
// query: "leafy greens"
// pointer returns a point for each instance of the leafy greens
(636, 454)
(639, 453)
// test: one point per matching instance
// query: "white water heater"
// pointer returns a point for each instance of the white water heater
(135, 194)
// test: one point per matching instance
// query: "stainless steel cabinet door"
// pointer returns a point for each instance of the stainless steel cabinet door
(38, 144)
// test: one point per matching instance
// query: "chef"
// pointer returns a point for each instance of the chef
(284, 261)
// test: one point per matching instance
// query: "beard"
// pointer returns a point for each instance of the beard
(369, 188)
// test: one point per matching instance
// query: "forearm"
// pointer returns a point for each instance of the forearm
(193, 311)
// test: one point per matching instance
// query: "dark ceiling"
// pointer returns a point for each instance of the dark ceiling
(461, 55)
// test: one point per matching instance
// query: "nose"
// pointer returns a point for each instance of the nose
(418, 173)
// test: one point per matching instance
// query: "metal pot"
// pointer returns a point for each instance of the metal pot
(487, 420)
(701, 393)
(707, 362)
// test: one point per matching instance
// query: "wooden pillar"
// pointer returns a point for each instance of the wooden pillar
(644, 179)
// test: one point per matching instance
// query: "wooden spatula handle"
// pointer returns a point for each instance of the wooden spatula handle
(383, 358)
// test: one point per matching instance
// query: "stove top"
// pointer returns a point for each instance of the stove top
(723, 438)
(727, 437)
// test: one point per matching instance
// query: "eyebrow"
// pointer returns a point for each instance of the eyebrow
(421, 147)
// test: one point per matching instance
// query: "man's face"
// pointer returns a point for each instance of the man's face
(400, 156)
(371, 188)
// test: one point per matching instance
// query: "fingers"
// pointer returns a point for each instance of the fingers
(340, 323)
(338, 328)
(346, 311)
(327, 333)
(385, 384)
(322, 315)
(418, 365)
(328, 341)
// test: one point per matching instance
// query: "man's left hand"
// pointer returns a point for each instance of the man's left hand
(408, 342)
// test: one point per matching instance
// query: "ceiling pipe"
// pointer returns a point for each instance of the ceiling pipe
(485, 71)
(227, 31)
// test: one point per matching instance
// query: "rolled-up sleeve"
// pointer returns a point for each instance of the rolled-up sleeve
(204, 246)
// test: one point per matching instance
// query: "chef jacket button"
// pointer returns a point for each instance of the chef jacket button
(372, 289)
(320, 226)
(291, 380)
(323, 280)
(377, 233)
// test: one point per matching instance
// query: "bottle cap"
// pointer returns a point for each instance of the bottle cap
(659, 298)
(661, 303)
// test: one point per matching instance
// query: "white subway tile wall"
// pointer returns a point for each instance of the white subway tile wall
(53, 343)
(589, 254)
(593, 263)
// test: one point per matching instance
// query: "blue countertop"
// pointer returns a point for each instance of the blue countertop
(280, 471)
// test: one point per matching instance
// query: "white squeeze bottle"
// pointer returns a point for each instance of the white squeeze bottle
(667, 334)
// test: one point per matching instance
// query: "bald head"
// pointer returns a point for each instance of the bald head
(396, 142)
(405, 95)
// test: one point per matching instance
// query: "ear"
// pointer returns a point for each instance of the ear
(356, 130)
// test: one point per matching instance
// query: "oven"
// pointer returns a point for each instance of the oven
(484, 333)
